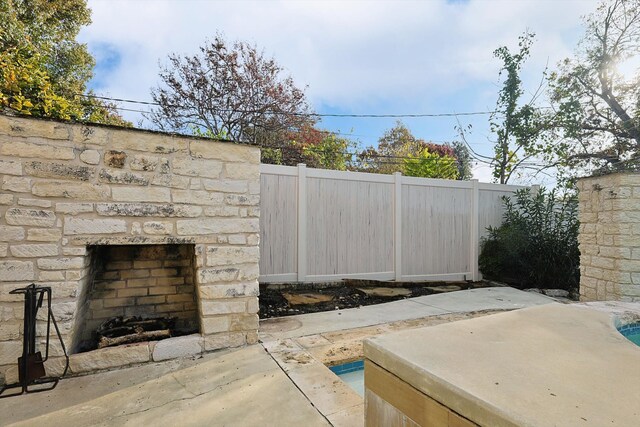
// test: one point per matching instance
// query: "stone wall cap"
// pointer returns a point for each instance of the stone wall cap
(123, 128)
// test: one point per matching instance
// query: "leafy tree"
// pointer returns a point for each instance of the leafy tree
(314, 147)
(44, 70)
(537, 243)
(232, 89)
(597, 92)
(430, 165)
(398, 145)
(463, 161)
(517, 128)
(330, 153)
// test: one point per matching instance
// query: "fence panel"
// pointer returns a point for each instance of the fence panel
(318, 225)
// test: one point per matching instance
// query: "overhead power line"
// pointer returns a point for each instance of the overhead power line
(284, 113)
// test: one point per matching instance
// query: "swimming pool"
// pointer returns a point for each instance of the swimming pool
(631, 332)
(351, 373)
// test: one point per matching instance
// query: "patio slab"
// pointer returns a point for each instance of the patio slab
(495, 298)
(234, 388)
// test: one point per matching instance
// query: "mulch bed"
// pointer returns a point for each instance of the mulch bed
(345, 295)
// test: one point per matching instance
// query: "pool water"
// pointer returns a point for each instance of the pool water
(631, 332)
(353, 374)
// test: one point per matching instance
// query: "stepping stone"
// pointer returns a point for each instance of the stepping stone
(386, 292)
(444, 288)
(306, 298)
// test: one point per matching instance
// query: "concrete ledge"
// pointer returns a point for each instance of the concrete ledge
(549, 365)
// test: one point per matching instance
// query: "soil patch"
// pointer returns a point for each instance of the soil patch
(307, 298)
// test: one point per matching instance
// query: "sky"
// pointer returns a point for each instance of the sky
(353, 57)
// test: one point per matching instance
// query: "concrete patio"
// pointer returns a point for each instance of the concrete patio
(282, 382)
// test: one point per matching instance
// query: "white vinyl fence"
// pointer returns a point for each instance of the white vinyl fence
(322, 225)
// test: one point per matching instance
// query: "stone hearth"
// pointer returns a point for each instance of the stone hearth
(74, 196)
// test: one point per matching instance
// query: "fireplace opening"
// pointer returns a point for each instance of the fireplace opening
(137, 293)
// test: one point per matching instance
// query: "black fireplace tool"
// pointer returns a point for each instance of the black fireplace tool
(32, 377)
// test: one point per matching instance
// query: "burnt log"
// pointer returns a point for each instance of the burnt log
(127, 330)
(133, 338)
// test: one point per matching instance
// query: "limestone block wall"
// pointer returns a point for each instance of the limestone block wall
(609, 213)
(65, 188)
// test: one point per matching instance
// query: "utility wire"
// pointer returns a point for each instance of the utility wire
(414, 115)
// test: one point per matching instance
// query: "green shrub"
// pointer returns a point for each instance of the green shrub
(537, 244)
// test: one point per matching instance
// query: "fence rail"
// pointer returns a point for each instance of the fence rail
(321, 225)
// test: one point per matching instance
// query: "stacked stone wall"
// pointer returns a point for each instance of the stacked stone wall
(609, 238)
(65, 188)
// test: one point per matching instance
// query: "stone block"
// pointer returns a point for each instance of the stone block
(115, 159)
(226, 255)
(214, 275)
(3, 249)
(71, 190)
(217, 225)
(241, 200)
(38, 203)
(143, 162)
(9, 352)
(20, 149)
(237, 239)
(74, 208)
(15, 271)
(90, 157)
(44, 234)
(110, 357)
(94, 226)
(198, 168)
(144, 209)
(222, 211)
(58, 171)
(228, 152)
(225, 185)
(10, 331)
(36, 217)
(242, 171)
(114, 176)
(28, 127)
(6, 199)
(61, 263)
(16, 184)
(8, 233)
(51, 276)
(244, 289)
(245, 322)
(172, 348)
(197, 197)
(148, 142)
(34, 250)
(169, 180)
(11, 167)
(223, 306)
(249, 272)
(157, 227)
(213, 325)
(135, 194)
(224, 340)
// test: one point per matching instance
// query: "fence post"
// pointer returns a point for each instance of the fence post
(302, 222)
(397, 225)
(475, 232)
(535, 189)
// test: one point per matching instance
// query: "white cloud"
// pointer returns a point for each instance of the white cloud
(356, 56)
(350, 53)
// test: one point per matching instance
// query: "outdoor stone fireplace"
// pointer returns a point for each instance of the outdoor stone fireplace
(148, 281)
(123, 222)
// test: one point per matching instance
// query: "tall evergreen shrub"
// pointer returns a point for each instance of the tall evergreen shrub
(537, 243)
